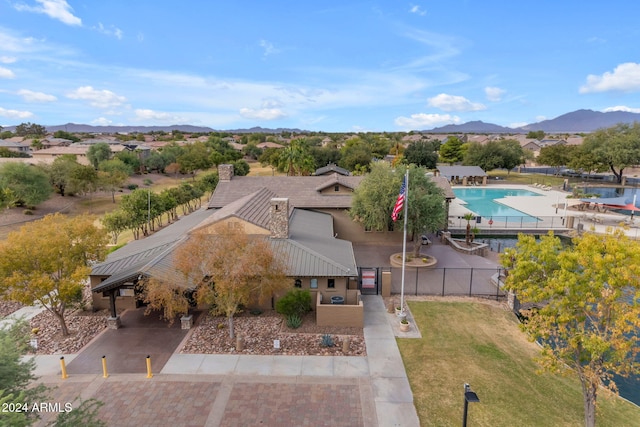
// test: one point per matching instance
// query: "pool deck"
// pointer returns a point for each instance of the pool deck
(548, 205)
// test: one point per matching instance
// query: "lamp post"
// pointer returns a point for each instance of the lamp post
(469, 396)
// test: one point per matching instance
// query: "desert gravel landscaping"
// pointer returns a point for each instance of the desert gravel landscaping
(211, 336)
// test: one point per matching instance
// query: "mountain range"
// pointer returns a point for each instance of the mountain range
(580, 121)
(575, 122)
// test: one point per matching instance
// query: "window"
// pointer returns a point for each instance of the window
(336, 188)
(331, 283)
(313, 284)
(298, 283)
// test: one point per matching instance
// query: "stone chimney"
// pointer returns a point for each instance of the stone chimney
(225, 172)
(279, 221)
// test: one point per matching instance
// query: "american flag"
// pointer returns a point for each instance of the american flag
(400, 201)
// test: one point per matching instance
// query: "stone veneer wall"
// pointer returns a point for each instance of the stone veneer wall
(279, 221)
(225, 172)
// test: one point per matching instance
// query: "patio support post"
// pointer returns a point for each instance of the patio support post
(112, 302)
(113, 321)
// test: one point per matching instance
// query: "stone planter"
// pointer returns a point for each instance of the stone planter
(404, 327)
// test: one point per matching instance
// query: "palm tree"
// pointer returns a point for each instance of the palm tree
(467, 236)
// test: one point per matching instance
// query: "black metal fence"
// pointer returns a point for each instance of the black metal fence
(479, 282)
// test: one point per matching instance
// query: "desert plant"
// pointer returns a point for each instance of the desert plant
(327, 341)
(296, 301)
(147, 181)
(404, 321)
(294, 321)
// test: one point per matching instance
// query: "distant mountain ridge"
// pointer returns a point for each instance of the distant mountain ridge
(82, 128)
(574, 122)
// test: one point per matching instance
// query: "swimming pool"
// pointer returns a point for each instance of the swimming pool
(482, 202)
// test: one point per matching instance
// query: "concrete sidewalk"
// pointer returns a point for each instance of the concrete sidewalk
(273, 390)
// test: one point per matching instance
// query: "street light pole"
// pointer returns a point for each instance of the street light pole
(469, 396)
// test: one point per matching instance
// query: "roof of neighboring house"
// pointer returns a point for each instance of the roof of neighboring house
(461, 171)
(12, 144)
(443, 183)
(331, 168)
(269, 144)
(302, 191)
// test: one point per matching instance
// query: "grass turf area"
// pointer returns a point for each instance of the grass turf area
(481, 344)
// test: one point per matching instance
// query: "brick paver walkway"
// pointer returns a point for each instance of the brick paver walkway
(213, 400)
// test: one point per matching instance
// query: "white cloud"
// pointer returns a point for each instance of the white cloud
(158, 117)
(7, 59)
(6, 73)
(447, 102)
(269, 48)
(494, 94)
(541, 118)
(417, 10)
(422, 120)
(97, 98)
(624, 78)
(111, 31)
(15, 114)
(621, 108)
(31, 96)
(517, 125)
(101, 121)
(56, 9)
(262, 114)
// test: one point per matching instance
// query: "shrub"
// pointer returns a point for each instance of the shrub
(327, 341)
(256, 312)
(27, 212)
(296, 301)
(294, 321)
(147, 181)
(132, 186)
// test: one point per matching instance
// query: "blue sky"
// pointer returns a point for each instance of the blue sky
(334, 66)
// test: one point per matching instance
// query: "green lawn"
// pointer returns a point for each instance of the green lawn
(481, 344)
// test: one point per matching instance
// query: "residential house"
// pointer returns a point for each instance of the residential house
(316, 259)
(17, 147)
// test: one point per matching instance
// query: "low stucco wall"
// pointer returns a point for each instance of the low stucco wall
(351, 315)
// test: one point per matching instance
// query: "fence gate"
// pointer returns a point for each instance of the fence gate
(369, 280)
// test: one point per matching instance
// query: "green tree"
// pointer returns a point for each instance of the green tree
(83, 180)
(30, 129)
(252, 151)
(66, 135)
(60, 172)
(115, 222)
(16, 375)
(354, 154)
(617, 147)
(425, 207)
(589, 317)
(47, 262)
(131, 159)
(295, 159)
(452, 150)
(556, 155)
(421, 153)
(241, 168)
(17, 385)
(505, 154)
(112, 175)
(156, 162)
(23, 185)
(536, 134)
(98, 153)
(374, 198)
(196, 157)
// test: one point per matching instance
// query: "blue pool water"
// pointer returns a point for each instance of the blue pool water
(482, 202)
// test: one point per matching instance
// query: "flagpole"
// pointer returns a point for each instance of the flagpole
(404, 239)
